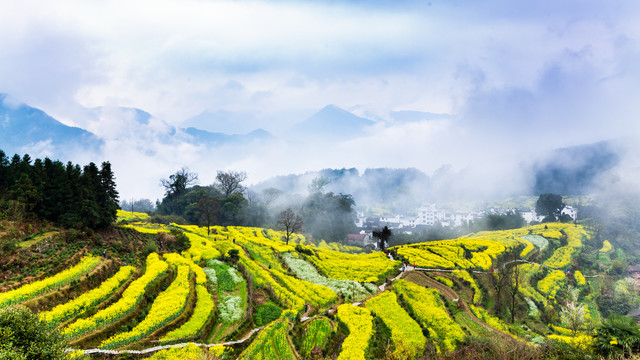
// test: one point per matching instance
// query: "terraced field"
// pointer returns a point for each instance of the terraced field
(210, 293)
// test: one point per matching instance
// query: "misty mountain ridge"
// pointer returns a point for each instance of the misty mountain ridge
(24, 128)
(575, 170)
(35, 127)
(216, 139)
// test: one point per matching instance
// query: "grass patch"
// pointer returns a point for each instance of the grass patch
(221, 328)
(473, 328)
(36, 239)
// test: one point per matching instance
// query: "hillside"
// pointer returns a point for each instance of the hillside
(249, 295)
(571, 171)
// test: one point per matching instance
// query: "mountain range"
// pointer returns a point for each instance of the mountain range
(28, 129)
(577, 170)
(25, 129)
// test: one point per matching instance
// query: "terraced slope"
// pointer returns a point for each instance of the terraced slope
(211, 292)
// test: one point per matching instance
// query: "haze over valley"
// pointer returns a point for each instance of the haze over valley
(327, 179)
(487, 92)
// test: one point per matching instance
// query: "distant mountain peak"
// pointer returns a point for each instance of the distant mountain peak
(332, 123)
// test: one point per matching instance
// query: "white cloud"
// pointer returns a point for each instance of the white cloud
(516, 75)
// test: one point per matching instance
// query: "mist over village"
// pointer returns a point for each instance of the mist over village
(263, 179)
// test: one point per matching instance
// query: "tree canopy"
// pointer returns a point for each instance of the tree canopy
(178, 183)
(230, 182)
(328, 216)
(24, 337)
(204, 205)
(382, 236)
(550, 206)
(68, 195)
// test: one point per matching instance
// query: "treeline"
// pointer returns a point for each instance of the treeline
(228, 202)
(66, 194)
(327, 216)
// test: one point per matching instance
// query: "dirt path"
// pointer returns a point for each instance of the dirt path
(423, 280)
(449, 294)
(157, 348)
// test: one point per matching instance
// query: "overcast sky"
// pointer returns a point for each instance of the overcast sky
(512, 74)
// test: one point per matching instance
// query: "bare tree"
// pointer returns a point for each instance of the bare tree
(506, 279)
(513, 285)
(500, 277)
(252, 197)
(230, 182)
(177, 183)
(208, 210)
(289, 222)
(269, 195)
(141, 205)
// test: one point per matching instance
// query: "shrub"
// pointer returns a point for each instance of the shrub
(23, 336)
(617, 267)
(566, 348)
(618, 336)
(150, 247)
(182, 242)
(233, 255)
(304, 250)
(8, 246)
(266, 313)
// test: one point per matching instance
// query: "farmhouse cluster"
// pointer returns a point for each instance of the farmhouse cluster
(429, 215)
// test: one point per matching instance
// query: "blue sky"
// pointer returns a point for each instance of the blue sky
(540, 74)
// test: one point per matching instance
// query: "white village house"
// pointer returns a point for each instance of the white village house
(430, 214)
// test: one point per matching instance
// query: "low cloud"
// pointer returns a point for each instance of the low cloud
(514, 79)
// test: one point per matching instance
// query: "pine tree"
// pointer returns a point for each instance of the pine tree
(71, 215)
(108, 195)
(4, 173)
(90, 186)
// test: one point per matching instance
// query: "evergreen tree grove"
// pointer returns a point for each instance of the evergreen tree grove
(67, 195)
